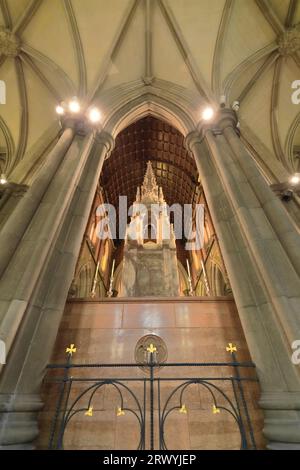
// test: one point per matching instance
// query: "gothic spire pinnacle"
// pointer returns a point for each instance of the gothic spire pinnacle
(149, 178)
(149, 188)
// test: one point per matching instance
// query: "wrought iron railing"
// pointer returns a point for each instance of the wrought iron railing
(233, 398)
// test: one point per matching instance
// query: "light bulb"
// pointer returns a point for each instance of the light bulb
(208, 113)
(60, 110)
(74, 106)
(3, 179)
(295, 179)
(94, 115)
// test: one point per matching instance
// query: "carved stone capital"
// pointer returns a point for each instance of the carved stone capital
(289, 41)
(78, 123)
(224, 118)
(191, 139)
(9, 43)
(106, 139)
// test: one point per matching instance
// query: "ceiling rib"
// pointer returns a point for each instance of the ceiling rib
(6, 14)
(23, 135)
(38, 56)
(30, 63)
(296, 58)
(26, 16)
(269, 61)
(289, 143)
(291, 13)
(243, 66)
(82, 89)
(116, 43)
(184, 50)
(274, 113)
(219, 46)
(270, 16)
(148, 42)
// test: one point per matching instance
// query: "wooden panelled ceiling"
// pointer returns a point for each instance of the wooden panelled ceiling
(154, 140)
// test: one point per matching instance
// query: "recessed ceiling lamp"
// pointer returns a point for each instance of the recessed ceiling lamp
(94, 115)
(208, 113)
(60, 110)
(295, 179)
(74, 106)
(3, 179)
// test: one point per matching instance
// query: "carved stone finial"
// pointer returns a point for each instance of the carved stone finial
(289, 41)
(9, 43)
(149, 188)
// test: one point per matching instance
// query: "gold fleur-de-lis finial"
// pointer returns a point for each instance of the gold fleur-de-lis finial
(71, 349)
(231, 348)
(120, 412)
(183, 409)
(215, 410)
(89, 412)
(151, 348)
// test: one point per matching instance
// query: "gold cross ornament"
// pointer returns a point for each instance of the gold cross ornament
(183, 409)
(151, 348)
(71, 349)
(231, 348)
(120, 412)
(215, 410)
(89, 412)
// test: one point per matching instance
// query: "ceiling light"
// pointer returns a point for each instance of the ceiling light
(74, 106)
(208, 113)
(295, 179)
(3, 179)
(60, 110)
(94, 115)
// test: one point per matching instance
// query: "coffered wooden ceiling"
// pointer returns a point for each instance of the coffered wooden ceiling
(157, 141)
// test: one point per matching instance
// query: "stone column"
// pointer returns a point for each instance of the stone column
(22, 273)
(263, 278)
(16, 225)
(21, 378)
(274, 210)
(12, 195)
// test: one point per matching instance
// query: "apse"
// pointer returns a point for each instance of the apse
(149, 145)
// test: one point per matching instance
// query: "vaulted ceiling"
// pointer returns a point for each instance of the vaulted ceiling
(154, 140)
(248, 50)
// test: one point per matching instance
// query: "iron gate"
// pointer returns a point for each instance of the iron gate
(149, 419)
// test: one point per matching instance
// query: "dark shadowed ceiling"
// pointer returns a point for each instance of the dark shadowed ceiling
(155, 140)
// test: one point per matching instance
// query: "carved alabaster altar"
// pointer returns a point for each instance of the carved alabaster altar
(150, 261)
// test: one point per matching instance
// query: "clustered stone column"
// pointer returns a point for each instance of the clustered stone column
(43, 237)
(261, 249)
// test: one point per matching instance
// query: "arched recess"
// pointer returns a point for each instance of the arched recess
(165, 101)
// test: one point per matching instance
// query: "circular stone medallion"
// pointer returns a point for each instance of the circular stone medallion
(142, 352)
